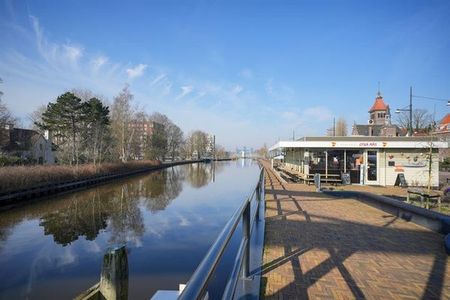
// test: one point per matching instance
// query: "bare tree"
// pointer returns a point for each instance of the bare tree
(421, 119)
(263, 152)
(121, 116)
(36, 118)
(197, 144)
(341, 127)
(173, 135)
(6, 120)
(174, 140)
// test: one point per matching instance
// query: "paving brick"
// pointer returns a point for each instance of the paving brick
(320, 247)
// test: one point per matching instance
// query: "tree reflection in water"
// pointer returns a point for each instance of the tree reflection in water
(163, 188)
(115, 206)
(200, 174)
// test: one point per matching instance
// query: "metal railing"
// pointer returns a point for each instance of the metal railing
(197, 286)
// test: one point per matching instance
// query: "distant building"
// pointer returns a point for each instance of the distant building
(210, 145)
(443, 133)
(143, 130)
(444, 125)
(379, 123)
(29, 145)
(244, 152)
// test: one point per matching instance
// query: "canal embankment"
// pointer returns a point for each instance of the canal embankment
(20, 185)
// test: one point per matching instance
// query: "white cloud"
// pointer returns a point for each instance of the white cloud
(38, 32)
(55, 54)
(185, 90)
(98, 62)
(73, 53)
(137, 71)
(158, 79)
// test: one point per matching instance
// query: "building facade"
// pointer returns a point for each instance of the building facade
(142, 131)
(368, 160)
(443, 133)
(29, 145)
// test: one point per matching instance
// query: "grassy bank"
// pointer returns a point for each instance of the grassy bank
(20, 177)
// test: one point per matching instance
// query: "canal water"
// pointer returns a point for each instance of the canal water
(167, 219)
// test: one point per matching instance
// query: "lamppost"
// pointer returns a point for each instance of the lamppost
(410, 110)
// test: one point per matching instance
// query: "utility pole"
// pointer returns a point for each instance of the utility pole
(293, 135)
(410, 112)
(334, 126)
(214, 147)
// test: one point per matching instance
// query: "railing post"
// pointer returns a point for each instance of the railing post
(258, 198)
(246, 235)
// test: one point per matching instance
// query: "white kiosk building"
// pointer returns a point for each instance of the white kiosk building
(370, 160)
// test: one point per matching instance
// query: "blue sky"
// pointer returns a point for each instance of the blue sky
(249, 72)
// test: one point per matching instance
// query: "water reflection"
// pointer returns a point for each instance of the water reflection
(117, 207)
(199, 175)
(59, 242)
(162, 188)
(88, 212)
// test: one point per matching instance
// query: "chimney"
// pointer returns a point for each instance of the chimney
(47, 135)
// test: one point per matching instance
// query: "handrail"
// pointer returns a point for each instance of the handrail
(197, 285)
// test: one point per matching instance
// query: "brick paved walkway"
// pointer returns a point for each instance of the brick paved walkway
(319, 247)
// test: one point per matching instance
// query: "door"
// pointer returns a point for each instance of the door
(372, 167)
(354, 160)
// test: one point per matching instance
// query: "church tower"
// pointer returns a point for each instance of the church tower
(379, 113)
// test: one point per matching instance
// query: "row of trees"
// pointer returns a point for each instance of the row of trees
(87, 129)
(79, 128)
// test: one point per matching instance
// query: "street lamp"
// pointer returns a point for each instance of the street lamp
(398, 110)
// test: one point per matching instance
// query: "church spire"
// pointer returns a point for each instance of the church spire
(379, 93)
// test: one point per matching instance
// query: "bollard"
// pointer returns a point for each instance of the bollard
(114, 276)
(317, 181)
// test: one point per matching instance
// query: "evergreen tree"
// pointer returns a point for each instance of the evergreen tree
(64, 119)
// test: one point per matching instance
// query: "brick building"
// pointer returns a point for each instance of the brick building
(142, 131)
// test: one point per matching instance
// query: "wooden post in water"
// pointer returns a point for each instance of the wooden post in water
(114, 277)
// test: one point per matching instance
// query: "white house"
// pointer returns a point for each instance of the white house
(30, 144)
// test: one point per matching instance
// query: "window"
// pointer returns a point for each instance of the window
(372, 165)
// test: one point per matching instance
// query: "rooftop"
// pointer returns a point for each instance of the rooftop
(379, 104)
(356, 138)
(446, 120)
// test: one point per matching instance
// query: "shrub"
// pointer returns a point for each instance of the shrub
(20, 177)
